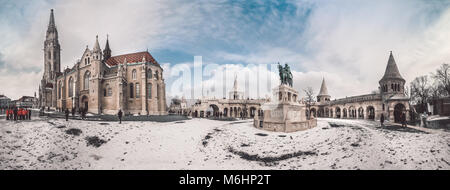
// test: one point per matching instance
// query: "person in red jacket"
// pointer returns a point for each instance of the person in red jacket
(7, 114)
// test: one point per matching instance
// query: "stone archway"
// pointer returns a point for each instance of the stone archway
(313, 112)
(344, 113)
(361, 113)
(338, 112)
(398, 111)
(225, 112)
(252, 112)
(370, 112)
(213, 110)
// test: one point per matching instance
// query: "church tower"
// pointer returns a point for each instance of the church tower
(392, 82)
(95, 105)
(323, 95)
(52, 65)
(52, 50)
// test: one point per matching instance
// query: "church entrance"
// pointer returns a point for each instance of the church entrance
(85, 103)
(398, 110)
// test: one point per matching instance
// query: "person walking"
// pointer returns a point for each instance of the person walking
(404, 119)
(67, 114)
(120, 116)
(382, 120)
(29, 114)
(7, 114)
(73, 112)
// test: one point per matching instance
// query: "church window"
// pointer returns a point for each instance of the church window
(85, 61)
(104, 92)
(149, 74)
(131, 90)
(87, 76)
(383, 107)
(89, 60)
(109, 91)
(134, 74)
(138, 90)
(71, 87)
(392, 86)
(157, 91)
(149, 90)
(156, 75)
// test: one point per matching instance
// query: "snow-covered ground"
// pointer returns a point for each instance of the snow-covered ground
(208, 144)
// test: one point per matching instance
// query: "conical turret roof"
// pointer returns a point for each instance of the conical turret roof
(96, 45)
(323, 89)
(392, 69)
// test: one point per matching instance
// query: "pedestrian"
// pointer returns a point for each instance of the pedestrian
(382, 120)
(7, 114)
(29, 114)
(15, 113)
(120, 116)
(404, 119)
(73, 112)
(67, 114)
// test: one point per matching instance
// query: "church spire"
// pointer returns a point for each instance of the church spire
(235, 87)
(107, 50)
(52, 33)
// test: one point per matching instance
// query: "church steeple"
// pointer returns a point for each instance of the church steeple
(96, 51)
(107, 50)
(52, 33)
(391, 71)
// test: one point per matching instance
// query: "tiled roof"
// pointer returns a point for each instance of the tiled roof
(131, 58)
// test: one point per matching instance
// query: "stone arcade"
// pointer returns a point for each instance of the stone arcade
(391, 100)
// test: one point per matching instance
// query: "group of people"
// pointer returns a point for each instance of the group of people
(15, 114)
(82, 113)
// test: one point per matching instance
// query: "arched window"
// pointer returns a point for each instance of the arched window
(89, 60)
(157, 75)
(87, 76)
(138, 90)
(70, 87)
(109, 91)
(157, 91)
(149, 90)
(149, 74)
(59, 89)
(392, 86)
(134, 74)
(131, 90)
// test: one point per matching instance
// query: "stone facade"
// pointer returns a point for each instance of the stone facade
(391, 100)
(103, 84)
(231, 107)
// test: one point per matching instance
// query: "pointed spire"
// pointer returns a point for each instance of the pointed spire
(51, 24)
(107, 50)
(96, 45)
(235, 87)
(52, 33)
(323, 88)
(391, 71)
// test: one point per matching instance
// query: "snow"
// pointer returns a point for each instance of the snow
(209, 144)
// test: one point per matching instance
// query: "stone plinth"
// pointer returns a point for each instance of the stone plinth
(284, 114)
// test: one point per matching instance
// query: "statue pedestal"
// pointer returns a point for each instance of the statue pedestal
(284, 114)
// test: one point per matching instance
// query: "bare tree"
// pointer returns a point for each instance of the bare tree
(420, 91)
(442, 76)
(309, 100)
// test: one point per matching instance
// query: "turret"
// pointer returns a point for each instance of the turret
(323, 95)
(392, 82)
(52, 50)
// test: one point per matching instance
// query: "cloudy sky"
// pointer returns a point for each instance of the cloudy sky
(346, 42)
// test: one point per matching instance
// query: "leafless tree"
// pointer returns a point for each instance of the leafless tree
(309, 100)
(442, 76)
(420, 91)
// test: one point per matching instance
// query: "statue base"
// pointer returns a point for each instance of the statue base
(285, 114)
